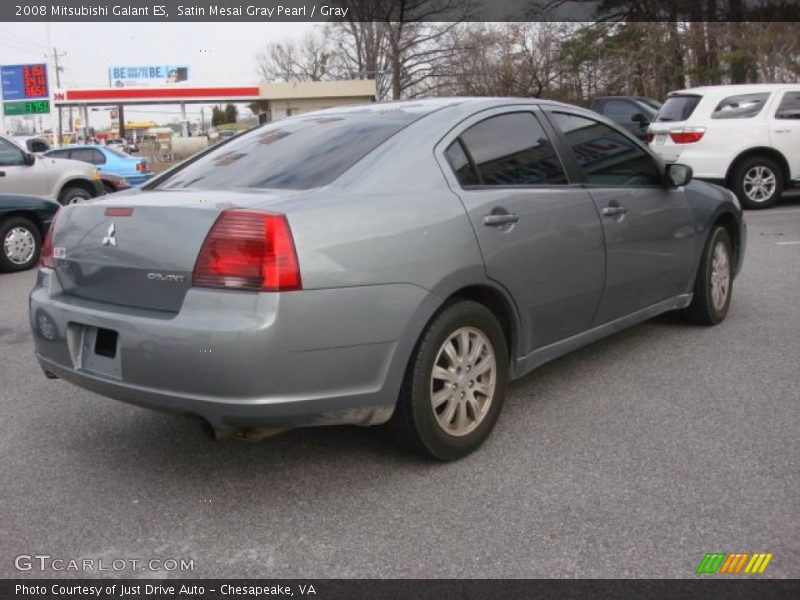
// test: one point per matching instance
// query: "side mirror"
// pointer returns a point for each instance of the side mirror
(28, 159)
(678, 175)
(641, 120)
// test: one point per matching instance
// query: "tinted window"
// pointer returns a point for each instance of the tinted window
(37, 145)
(300, 153)
(678, 108)
(464, 170)
(789, 107)
(58, 154)
(97, 157)
(606, 156)
(620, 111)
(82, 154)
(513, 149)
(742, 106)
(10, 154)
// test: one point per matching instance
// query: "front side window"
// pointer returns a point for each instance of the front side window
(606, 156)
(10, 155)
(742, 106)
(789, 107)
(513, 149)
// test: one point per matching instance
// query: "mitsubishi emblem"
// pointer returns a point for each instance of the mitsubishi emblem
(111, 236)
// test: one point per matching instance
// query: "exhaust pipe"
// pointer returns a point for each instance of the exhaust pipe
(248, 434)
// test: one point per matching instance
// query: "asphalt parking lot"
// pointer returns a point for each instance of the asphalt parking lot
(630, 458)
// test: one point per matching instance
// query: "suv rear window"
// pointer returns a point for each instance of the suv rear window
(742, 106)
(298, 153)
(678, 108)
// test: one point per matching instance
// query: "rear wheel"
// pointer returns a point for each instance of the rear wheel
(455, 384)
(714, 283)
(21, 244)
(758, 182)
(73, 195)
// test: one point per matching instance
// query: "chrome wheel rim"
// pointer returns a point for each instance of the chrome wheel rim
(720, 276)
(759, 183)
(19, 245)
(463, 381)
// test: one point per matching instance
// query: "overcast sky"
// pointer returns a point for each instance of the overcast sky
(216, 53)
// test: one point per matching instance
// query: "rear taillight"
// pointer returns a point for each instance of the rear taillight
(687, 135)
(46, 256)
(648, 137)
(248, 250)
(142, 166)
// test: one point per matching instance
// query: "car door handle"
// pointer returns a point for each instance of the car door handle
(500, 219)
(2, 173)
(614, 211)
(782, 131)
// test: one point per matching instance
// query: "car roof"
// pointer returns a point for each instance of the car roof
(741, 88)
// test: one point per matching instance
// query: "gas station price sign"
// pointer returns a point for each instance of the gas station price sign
(30, 107)
(24, 82)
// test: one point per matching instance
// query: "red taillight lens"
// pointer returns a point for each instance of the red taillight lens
(248, 250)
(46, 256)
(142, 166)
(648, 137)
(687, 135)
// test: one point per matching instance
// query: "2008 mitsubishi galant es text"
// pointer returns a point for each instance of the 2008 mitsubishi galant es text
(385, 263)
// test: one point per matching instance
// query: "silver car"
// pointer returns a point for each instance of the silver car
(392, 263)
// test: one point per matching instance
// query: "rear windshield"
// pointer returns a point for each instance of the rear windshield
(298, 153)
(677, 108)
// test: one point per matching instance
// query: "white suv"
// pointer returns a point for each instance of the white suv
(745, 137)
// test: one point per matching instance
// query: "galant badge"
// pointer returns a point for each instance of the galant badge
(111, 236)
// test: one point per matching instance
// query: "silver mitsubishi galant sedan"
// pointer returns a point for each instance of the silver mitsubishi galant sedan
(392, 263)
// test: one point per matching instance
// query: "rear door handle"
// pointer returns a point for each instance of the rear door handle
(614, 211)
(2, 173)
(782, 131)
(499, 220)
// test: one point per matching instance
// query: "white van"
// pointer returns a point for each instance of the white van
(745, 137)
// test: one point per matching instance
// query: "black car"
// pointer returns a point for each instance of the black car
(24, 221)
(634, 113)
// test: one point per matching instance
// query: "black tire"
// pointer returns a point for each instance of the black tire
(741, 188)
(108, 188)
(703, 310)
(415, 423)
(34, 237)
(73, 194)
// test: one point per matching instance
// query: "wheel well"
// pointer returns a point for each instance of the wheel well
(761, 151)
(728, 221)
(498, 304)
(31, 216)
(81, 183)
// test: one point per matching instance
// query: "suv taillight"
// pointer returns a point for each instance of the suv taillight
(248, 250)
(687, 135)
(46, 258)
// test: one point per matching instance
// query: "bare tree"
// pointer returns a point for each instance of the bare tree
(312, 59)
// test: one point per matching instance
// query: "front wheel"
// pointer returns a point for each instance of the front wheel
(714, 283)
(455, 383)
(21, 242)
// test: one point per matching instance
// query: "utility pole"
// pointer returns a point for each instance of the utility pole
(202, 120)
(59, 69)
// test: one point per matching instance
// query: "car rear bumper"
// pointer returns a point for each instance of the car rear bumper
(138, 179)
(239, 359)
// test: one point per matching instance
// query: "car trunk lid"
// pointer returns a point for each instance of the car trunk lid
(140, 250)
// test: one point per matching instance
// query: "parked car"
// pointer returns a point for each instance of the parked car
(34, 144)
(108, 159)
(67, 181)
(114, 183)
(634, 113)
(746, 137)
(24, 221)
(388, 262)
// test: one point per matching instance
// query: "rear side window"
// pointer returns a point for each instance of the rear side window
(464, 169)
(678, 108)
(300, 153)
(606, 156)
(742, 106)
(620, 111)
(513, 149)
(789, 107)
(58, 154)
(83, 154)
